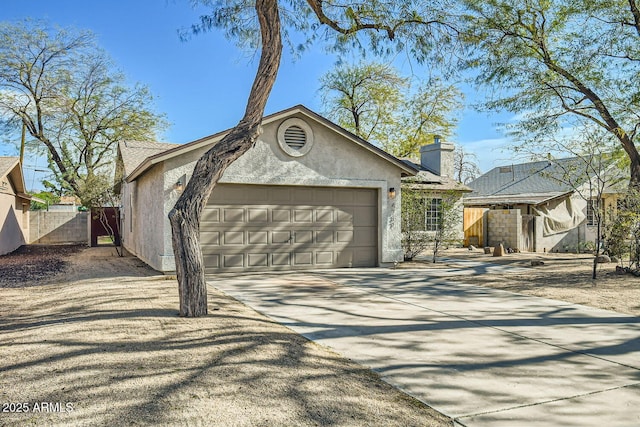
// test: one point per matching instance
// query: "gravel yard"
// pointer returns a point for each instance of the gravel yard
(31, 265)
(96, 338)
(563, 276)
(100, 343)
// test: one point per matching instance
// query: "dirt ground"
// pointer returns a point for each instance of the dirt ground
(100, 343)
(565, 277)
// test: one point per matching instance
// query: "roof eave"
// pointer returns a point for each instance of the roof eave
(301, 109)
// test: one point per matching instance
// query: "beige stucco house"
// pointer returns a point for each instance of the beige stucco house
(308, 195)
(14, 206)
(435, 180)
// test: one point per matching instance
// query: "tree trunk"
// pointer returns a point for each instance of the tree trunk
(635, 169)
(185, 216)
(594, 272)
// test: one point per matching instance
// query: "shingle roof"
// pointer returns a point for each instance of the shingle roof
(529, 178)
(427, 180)
(6, 164)
(133, 153)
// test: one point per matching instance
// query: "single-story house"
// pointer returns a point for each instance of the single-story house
(14, 206)
(532, 207)
(435, 179)
(309, 194)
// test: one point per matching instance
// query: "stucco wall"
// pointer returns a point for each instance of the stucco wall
(11, 224)
(143, 222)
(332, 161)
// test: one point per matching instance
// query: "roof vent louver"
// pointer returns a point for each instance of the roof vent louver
(295, 137)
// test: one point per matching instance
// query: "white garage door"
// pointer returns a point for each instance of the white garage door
(257, 227)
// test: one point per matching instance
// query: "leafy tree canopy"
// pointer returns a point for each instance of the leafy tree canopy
(376, 103)
(560, 62)
(423, 28)
(73, 102)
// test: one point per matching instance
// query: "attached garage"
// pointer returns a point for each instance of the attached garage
(308, 195)
(257, 227)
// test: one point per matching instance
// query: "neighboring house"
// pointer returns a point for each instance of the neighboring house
(65, 204)
(309, 194)
(14, 206)
(530, 207)
(435, 180)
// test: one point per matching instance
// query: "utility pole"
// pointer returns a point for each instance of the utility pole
(22, 142)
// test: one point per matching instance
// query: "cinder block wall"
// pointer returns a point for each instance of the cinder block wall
(504, 226)
(58, 227)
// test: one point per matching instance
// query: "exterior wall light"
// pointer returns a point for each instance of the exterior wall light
(392, 193)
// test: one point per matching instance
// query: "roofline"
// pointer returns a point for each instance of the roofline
(20, 185)
(31, 198)
(216, 137)
(504, 200)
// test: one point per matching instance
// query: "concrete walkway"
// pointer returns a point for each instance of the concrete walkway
(484, 357)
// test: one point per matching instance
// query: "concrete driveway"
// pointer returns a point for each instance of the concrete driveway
(482, 356)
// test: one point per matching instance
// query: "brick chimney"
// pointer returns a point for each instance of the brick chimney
(438, 157)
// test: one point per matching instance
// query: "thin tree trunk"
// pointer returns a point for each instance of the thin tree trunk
(598, 240)
(185, 216)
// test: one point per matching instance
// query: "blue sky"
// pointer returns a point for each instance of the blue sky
(202, 84)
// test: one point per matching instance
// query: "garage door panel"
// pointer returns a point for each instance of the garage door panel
(281, 237)
(364, 216)
(258, 237)
(280, 195)
(211, 214)
(281, 259)
(345, 215)
(302, 196)
(303, 236)
(344, 236)
(362, 256)
(365, 198)
(324, 257)
(324, 236)
(345, 258)
(303, 215)
(365, 236)
(324, 215)
(227, 194)
(297, 227)
(211, 261)
(209, 238)
(233, 215)
(323, 196)
(345, 197)
(281, 215)
(258, 260)
(258, 215)
(303, 258)
(233, 238)
(233, 260)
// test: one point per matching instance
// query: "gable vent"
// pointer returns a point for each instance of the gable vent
(295, 137)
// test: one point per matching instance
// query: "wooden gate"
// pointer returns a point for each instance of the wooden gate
(473, 226)
(105, 226)
(528, 233)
